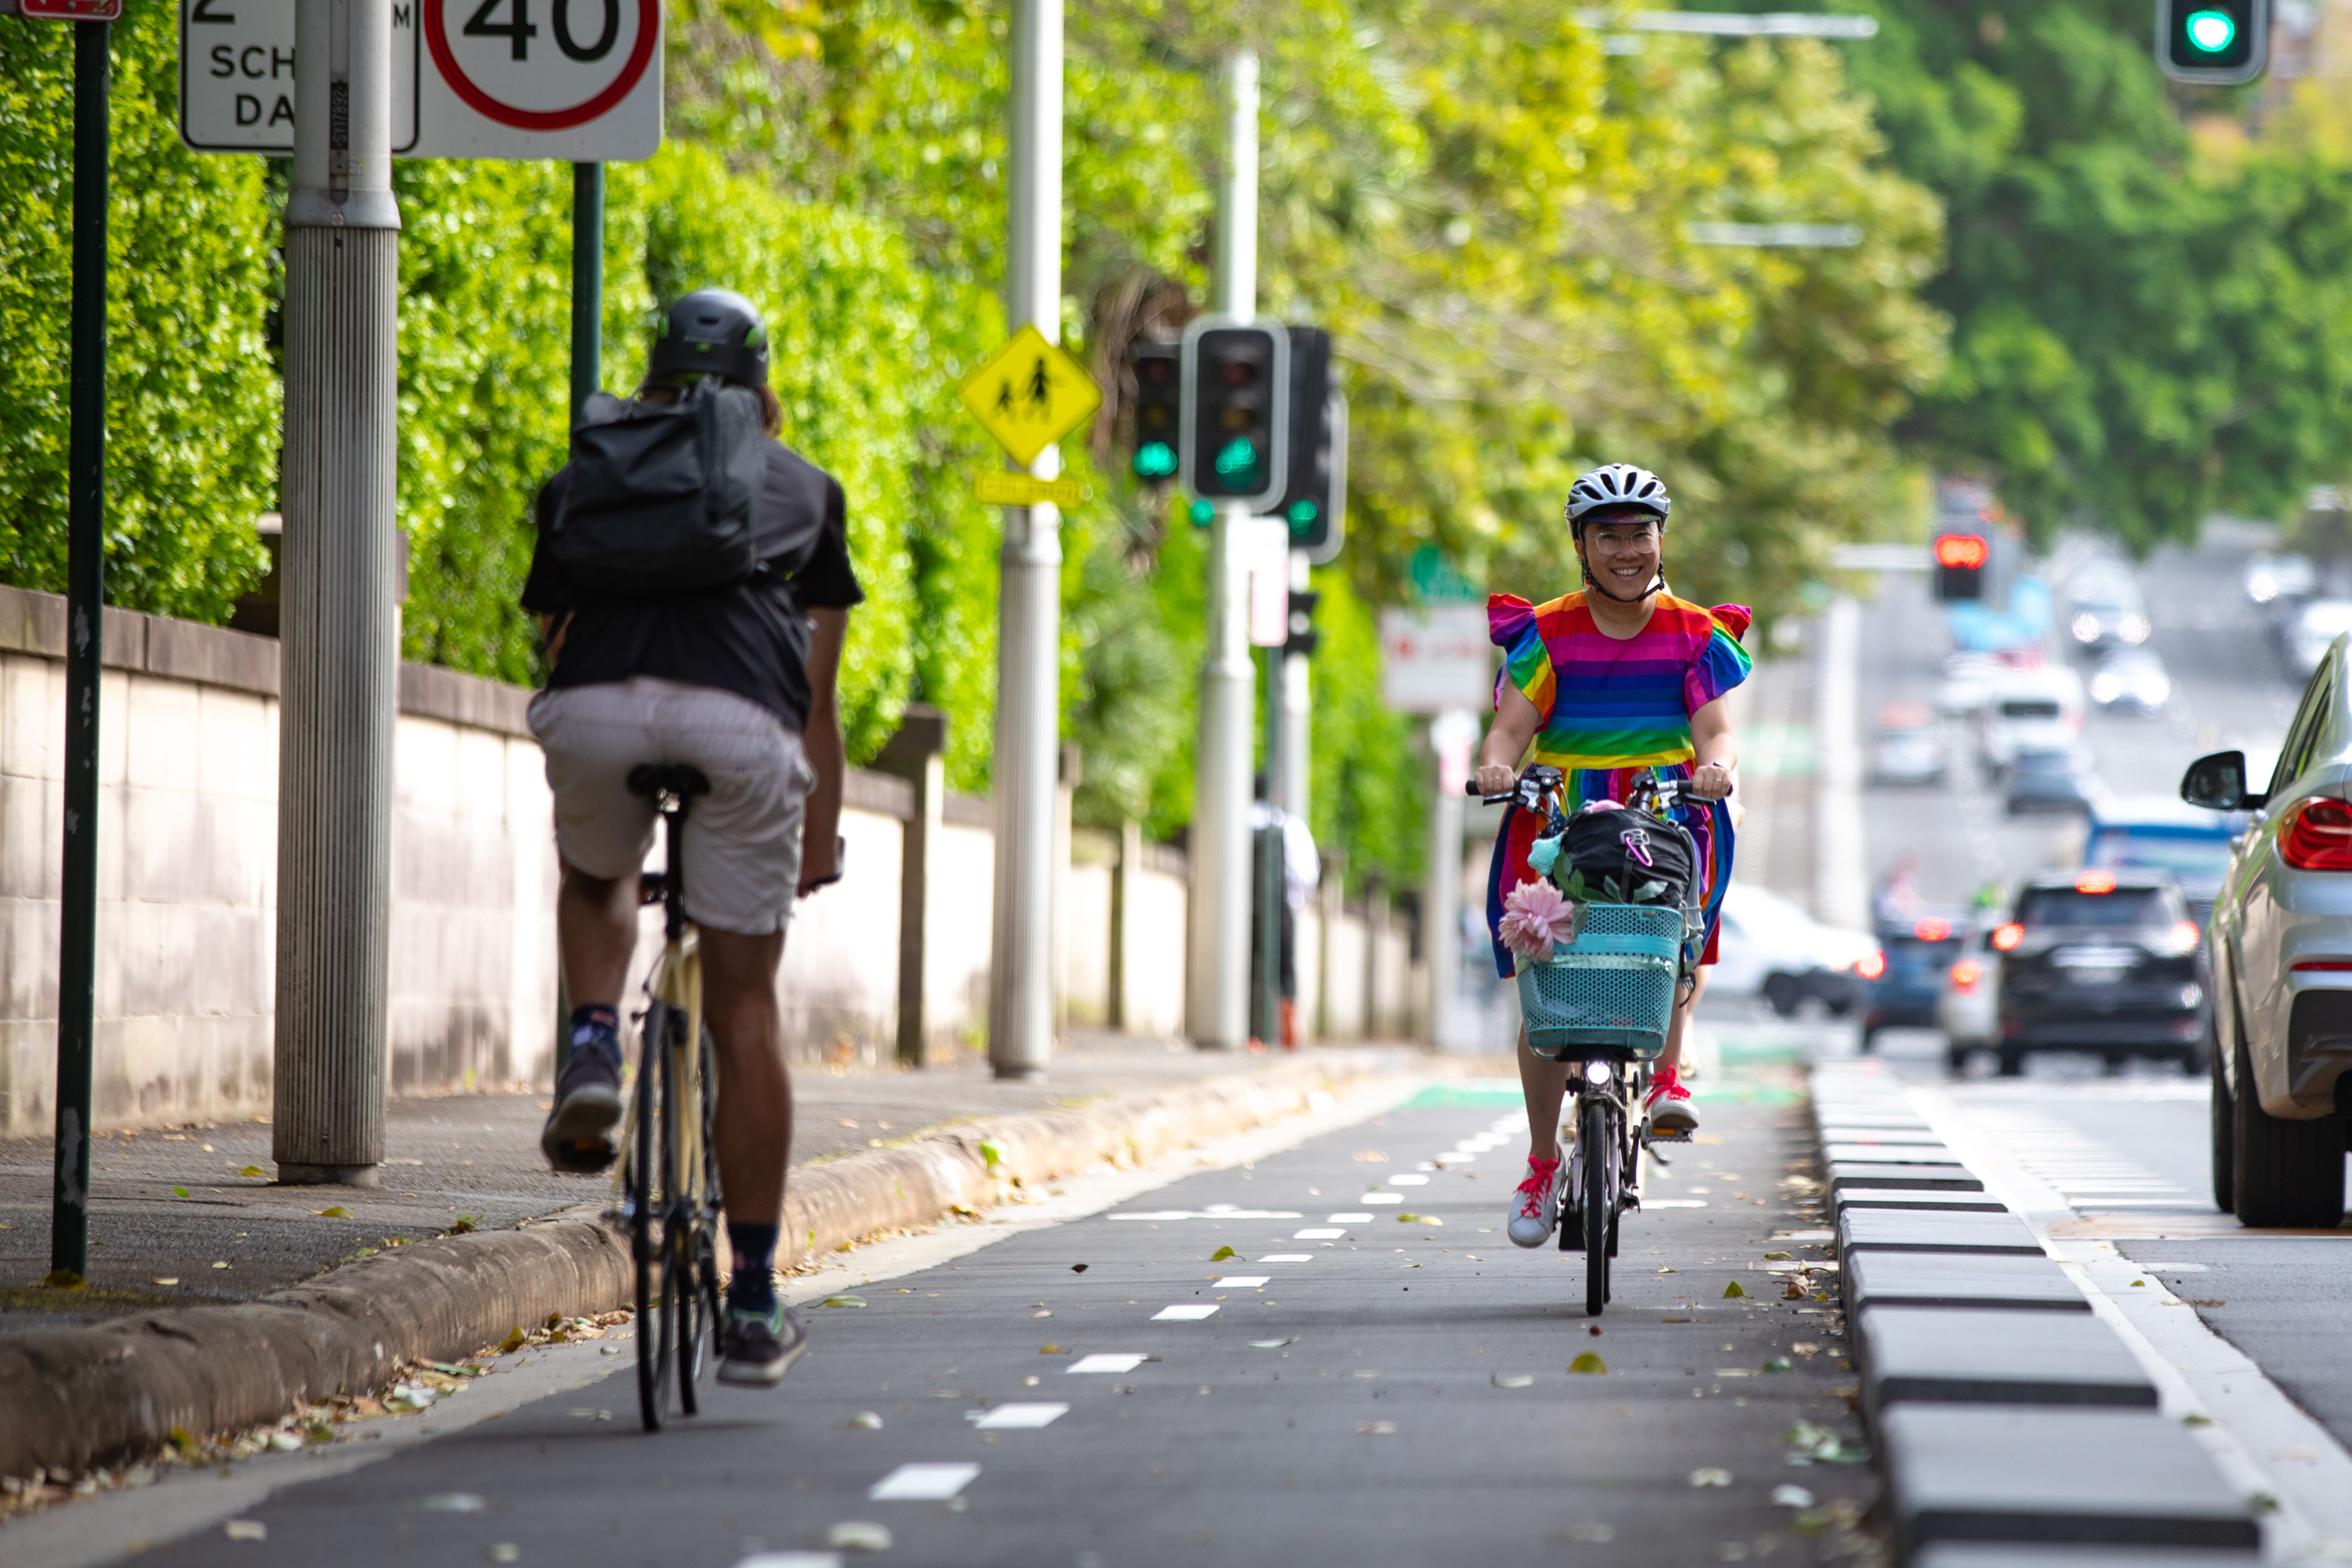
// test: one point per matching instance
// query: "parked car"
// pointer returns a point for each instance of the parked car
(2030, 710)
(2270, 579)
(1774, 949)
(2049, 781)
(2102, 962)
(2131, 680)
(1908, 747)
(2305, 635)
(1915, 953)
(2157, 832)
(2280, 960)
(1968, 1008)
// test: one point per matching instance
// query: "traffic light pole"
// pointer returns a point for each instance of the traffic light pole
(587, 282)
(1029, 636)
(86, 599)
(1219, 910)
(339, 631)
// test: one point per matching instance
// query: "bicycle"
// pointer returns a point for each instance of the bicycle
(667, 1180)
(1604, 1001)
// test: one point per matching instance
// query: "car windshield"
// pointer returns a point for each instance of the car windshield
(2053, 764)
(2121, 909)
(2194, 861)
(2028, 707)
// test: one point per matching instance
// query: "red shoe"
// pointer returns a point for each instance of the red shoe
(1669, 1104)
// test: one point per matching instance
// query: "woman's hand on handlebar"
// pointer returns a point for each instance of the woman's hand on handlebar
(1496, 779)
(1709, 781)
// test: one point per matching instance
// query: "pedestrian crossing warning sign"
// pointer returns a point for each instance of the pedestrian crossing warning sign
(1030, 395)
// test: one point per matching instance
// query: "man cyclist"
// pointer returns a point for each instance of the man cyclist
(1603, 683)
(737, 681)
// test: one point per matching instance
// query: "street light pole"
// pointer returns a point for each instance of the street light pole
(86, 599)
(1219, 910)
(1029, 636)
(339, 628)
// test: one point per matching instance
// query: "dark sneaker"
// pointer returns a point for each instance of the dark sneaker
(758, 1348)
(578, 1139)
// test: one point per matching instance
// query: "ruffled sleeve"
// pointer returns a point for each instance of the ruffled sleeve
(1526, 662)
(1721, 663)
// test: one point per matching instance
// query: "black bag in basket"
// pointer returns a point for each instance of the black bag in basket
(1612, 845)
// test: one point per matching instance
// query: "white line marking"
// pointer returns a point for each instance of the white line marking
(791, 1560)
(1346, 1219)
(1183, 1314)
(1409, 1181)
(1317, 1233)
(1024, 1415)
(1288, 1258)
(923, 1483)
(1242, 1281)
(1159, 1214)
(1105, 1363)
(1382, 1197)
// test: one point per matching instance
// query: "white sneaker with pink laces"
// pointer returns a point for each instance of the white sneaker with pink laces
(1669, 1104)
(1535, 1206)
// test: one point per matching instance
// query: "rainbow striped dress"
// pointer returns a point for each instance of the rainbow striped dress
(1610, 707)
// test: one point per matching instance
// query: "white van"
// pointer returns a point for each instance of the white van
(2030, 710)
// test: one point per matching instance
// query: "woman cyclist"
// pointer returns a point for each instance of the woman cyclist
(1618, 677)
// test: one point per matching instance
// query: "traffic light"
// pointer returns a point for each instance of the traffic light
(1235, 438)
(1960, 561)
(2216, 43)
(1159, 408)
(1315, 497)
(1303, 638)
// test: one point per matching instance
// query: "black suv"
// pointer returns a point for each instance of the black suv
(2105, 962)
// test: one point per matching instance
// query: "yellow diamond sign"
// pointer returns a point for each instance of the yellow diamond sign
(1030, 395)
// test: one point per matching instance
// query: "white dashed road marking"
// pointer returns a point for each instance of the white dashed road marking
(923, 1483)
(1183, 1314)
(1017, 1415)
(1104, 1364)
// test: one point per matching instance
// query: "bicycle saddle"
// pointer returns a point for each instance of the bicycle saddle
(680, 778)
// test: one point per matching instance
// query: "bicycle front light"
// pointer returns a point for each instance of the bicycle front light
(1596, 1072)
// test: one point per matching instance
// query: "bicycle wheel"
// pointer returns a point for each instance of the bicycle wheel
(650, 1190)
(697, 1291)
(1595, 1148)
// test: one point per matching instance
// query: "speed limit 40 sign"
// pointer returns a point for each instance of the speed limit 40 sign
(572, 80)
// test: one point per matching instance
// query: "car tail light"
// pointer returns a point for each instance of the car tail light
(1933, 928)
(2008, 936)
(2318, 836)
(1965, 975)
(2183, 937)
(1870, 965)
(2328, 966)
(2095, 882)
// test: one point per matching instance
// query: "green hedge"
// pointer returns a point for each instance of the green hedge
(193, 398)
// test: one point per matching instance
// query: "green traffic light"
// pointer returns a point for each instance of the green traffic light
(1155, 460)
(2211, 31)
(1238, 460)
(1204, 513)
(1304, 511)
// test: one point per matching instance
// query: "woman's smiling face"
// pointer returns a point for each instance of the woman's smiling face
(1620, 550)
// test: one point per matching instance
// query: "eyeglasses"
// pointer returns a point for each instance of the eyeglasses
(1621, 536)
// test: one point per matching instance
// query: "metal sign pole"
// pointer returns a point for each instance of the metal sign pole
(86, 599)
(1270, 871)
(1220, 851)
(587, 282)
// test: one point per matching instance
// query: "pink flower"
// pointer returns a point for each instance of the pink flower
(1534, 916)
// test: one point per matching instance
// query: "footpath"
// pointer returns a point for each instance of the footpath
(218, 1300)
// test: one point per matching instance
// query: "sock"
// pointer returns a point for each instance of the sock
(753, 1286)
(597, 1028)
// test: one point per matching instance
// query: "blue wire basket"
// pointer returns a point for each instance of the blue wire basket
(1609, 993)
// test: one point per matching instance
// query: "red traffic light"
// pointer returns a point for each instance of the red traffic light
(1962, 550)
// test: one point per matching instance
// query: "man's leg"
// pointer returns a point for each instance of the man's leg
(754, 1137)
(596, 928)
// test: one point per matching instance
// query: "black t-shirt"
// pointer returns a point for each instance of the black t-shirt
(750, 637)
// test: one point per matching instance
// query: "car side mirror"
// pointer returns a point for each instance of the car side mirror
(2217, 783)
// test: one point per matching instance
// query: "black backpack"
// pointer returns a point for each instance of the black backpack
(661, 497)
(1628, 848)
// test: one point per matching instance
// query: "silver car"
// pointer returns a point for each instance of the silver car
(2281, 965)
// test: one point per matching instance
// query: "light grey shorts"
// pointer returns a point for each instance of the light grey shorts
(742, 849)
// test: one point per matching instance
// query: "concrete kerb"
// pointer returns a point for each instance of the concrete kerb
(73, 1399)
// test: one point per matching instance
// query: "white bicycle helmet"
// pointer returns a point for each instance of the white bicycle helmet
(1619, 484)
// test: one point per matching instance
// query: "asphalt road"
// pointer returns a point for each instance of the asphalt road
(1398, 1392)
(2130, 1152)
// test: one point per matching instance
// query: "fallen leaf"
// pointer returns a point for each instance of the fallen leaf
(1792, 1292)
(253, 1170)
(1077, 1268)
(1733, 1289)
(180, 1440)
(513, 1341)
(455, 1502)
(2137, 1284)
(167, 1279)
(2192, 1419)
(1418, 1219)
(1778, 1364)
(1377, 1429)
(1051, 1350)
(1710, 1478)
(337, 1213)
(1669, 1271)
(221, 1264)
(506, 1551)
(858, 1535)
(1776, 1257)
(246, 1529)
(865, 1420)
(993, 1155)
(1273, 1344)
(1221, 1254)
(844, 1301)
(1517, 1380)
(1588, 1362)
(178, 1192)
(1787, 1496)
(1804, 1347)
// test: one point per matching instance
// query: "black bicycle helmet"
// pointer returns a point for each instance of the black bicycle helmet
(1619, 484)
(710, 332)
